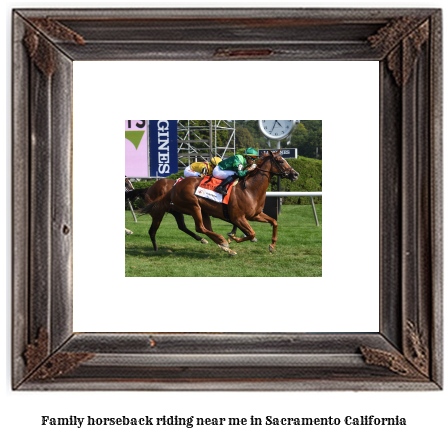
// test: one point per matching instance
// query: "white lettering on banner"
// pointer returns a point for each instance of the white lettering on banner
(164, 145)
(163, 128)
(163, 168)
(164, 157)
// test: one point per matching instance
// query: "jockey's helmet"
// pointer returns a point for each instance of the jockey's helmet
(215, 161)
(251, 153)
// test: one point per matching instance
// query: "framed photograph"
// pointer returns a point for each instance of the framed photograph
(50, 353)
(213, 147)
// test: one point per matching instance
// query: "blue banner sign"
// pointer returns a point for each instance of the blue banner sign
(162, 148)
(285, 153)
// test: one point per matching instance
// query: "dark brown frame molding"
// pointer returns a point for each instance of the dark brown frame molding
(406, 354)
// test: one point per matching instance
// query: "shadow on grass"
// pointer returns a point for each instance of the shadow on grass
(168, 252)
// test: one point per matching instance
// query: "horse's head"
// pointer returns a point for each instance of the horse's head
(127, 184)
(280, 166)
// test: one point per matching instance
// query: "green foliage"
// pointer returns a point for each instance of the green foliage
(176, 175)
(310, 180)
(243, 138)
(307, 139)
(143, 184)
(259, 141)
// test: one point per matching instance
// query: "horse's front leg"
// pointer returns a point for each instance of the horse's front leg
(232, 233)
(259, 218)
(201, 228)
(244, 226)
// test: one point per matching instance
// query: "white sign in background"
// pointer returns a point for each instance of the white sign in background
(345, 96)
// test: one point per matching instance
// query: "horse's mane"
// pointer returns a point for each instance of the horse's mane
(259, 163)
(262, 158)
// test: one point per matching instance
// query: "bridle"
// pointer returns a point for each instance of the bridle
(282, 174)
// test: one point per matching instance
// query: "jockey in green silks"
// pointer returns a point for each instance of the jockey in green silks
(234, 167)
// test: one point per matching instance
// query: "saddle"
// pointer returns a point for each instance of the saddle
(206, 189)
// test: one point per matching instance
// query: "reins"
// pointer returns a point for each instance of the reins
(271, 158)
(270, 171)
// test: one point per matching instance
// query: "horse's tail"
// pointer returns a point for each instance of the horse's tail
(132, 194)
(159, 206)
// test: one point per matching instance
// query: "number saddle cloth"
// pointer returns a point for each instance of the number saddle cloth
(206, 189)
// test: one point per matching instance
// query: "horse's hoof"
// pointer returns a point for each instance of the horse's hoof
(254, 239)
(271, 249)
(129, 232)
(227, 249)
(204, 240)
(230, 234)
(229, 240)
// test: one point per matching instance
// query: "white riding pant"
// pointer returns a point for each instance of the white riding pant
(188, 172)
(222, 174)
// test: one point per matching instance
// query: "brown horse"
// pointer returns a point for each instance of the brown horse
(150, 194)
(246, 201)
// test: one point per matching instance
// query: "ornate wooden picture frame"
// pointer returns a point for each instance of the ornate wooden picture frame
(406, 353)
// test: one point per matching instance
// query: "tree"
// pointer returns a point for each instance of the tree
(307, 139)
(243, 138)
(252, 127)
(312, 125)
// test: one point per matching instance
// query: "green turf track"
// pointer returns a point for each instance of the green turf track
(298, 252)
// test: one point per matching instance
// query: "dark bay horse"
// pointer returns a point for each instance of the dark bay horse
(246, 201)
(150, 194)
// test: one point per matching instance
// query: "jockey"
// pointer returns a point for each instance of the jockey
(201, 169)
(234, 167)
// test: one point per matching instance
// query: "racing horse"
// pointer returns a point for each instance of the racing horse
(246, 201)
(150, 194)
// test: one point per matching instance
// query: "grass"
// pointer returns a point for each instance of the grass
(298, 251)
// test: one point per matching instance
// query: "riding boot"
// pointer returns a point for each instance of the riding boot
(222, 188)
